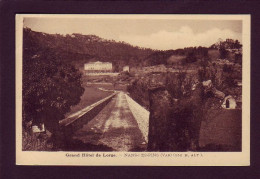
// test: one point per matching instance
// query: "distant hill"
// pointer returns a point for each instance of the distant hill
(179, 56)
(79, 49)
(229, 49)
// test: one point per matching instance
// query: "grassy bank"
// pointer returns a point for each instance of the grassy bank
(91, 95)
(108, 86)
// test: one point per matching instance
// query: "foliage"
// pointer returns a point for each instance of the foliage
(79, 49)
(223, 52)
(224, 48)
(227, 44)
(36, 142)
(83, 48)
(175, 59)
(190, 55)
(191, 58)
(229, 75)
(238, 58)
(50, 87)
(213, 54)
(138, 90)
(186, 118)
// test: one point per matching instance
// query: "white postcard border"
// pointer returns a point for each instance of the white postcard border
(139, 158)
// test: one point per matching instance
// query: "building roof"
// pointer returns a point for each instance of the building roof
(98, 62)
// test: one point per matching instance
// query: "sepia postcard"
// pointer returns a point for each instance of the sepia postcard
(133, 90)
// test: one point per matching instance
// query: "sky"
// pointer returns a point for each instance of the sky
(161, 34)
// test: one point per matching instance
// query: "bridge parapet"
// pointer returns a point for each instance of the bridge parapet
(141, 115)
(78, 119)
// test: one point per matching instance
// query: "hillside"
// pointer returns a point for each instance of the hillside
(79, 49)
(179, 56)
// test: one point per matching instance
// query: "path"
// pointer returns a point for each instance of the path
(114, 127)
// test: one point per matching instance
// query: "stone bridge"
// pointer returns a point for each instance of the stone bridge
(115, 123)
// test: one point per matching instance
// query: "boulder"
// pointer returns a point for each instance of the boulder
(219, 94)
(207, 84)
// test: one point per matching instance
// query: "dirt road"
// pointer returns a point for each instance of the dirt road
(114, 128)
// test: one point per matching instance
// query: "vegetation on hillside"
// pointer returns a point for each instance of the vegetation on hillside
(179, 56)
(79, 49)
(50, 88)
(189, 107)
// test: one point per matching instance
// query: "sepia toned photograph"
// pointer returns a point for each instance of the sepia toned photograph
(132, 87)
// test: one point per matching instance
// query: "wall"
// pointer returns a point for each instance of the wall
(141, 115)
(78, 119)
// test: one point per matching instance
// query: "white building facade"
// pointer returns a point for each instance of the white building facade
(98, 67)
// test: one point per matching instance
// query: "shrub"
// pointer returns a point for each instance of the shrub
(35, 141)
(50, 88)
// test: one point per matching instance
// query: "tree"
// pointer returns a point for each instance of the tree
(50, 88)
(190, 58)
(176, 112)
(237, 45)
(223, 52)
